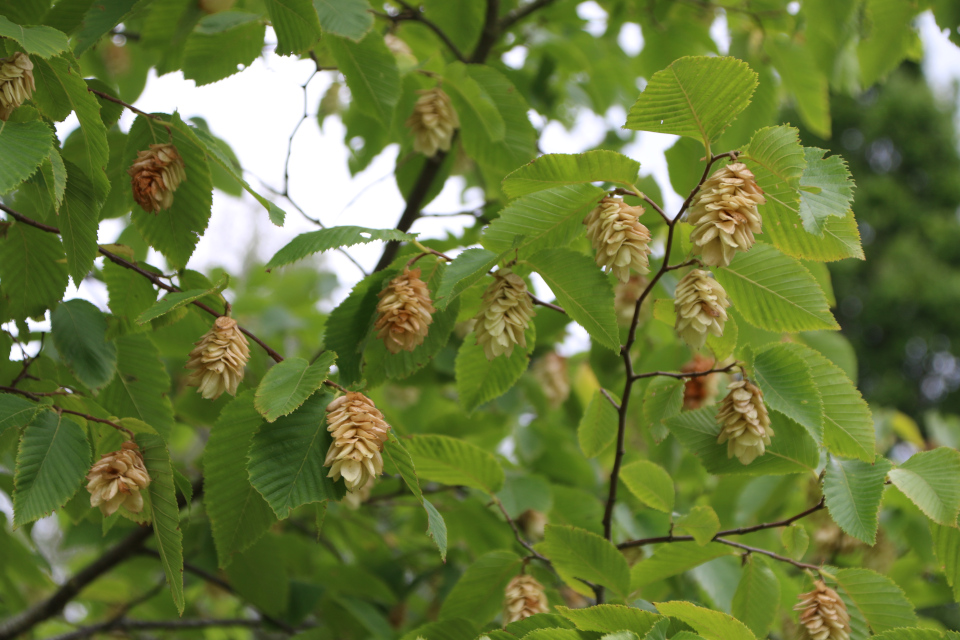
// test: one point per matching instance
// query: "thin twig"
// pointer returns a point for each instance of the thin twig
(771, 554)
(516, 532)
(549, 305)
(522, 12)
(683, 376)
(412, 13)
(107, 96)
(108, 625)
(606, 394)
(27, 362)
(37, 395)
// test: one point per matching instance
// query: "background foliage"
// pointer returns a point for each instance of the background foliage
(487, 473)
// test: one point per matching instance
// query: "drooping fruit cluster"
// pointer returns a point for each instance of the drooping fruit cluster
(16, 83)
(524, 597)
(403, 313)
(218, 359)
(621, 242)
(551, 372)
(116, 480)
(824, 614)
(724, 214)
(504, 315)
(358, 431)
(699, 390)
(744, 422)
(700, 304)
(155, 175)
(433, 122)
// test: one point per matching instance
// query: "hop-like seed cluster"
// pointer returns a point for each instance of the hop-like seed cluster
(824, 614)
(433, 122)
(117, 478)
(504, 315)
(551, 372)
(744, 422)
(699, 390)
(155, 175)
(524, 598)
(621, 242)
(403, 313)
(724, 214)
(16, 83)
(700, 304)
(359, 431)
(218, 359)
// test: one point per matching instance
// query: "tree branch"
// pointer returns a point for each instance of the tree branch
(771, 554)
(520, 13)
(683, 376)
(145, 625)
(36, 396)
(414, 14)
(516, 532)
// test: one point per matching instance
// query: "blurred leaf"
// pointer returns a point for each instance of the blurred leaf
(348, 18)
(853, 490)
(477, 113)
(889, 38)
(946, 546)
(701, 522)
(712, 625)
(78, 222)
(349, 324)
(876, 598)
(436, 528)
(396, 454)
(796, 540)
(478, 594)
(40, 41)
(556, 169)
(798, 71)
(259, 578)
(99, 19)
(598, 426)
(650, 483)
(606, 618)
(312, 242)
(757, 597)
(931, 479)
(221, 45)
(15, 411)
(673, 559)
(296, 23)
(79, 332)
(371, 73)
(662, 400)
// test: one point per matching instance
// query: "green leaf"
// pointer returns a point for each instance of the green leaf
(598, 426)
(296, 23)
(847, 424)
(800, 76)
(889, 38)
(577, 553)
(712, 625)
(519, 144)
(286, 459)
(453, 629)
(480, 380)
(672, 559)
(775, 292)
(54, 173)
(826, 189)
(607, 618)
(543, 220)
(662, 400)
(697, 97)
(173, 301)
(221, 45)
(853, 490)
(348, 18)
(15, 411)
(480, 121)
(259, 579)
(45, 42)
(876, 598)
(650, 483)
(778, 161)
(165, 512)
(222, 156)
(757, 597)
(931, 479)
(130, 293)
(436, 528)
(289, 383)
(23, 146)
(60, 90)
(51, 462)
(795, 540)
(702, 523)
(523, 492)
(371, 73)
(787, 384)
(556, 169)
(141, 387)
(32, 269)
(946, 546)
(307, 244)
(582, 290)
(349, 323)
(99, 19)
(467, 269)
(79, 332)
(454, 462)
(78, 221)
(396, 454)
(792, 450)
(176, 231)
(238, 513)
(478, 594)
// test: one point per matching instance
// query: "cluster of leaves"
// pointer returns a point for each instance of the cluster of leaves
(479, 451)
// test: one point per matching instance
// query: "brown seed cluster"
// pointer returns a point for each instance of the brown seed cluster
(504, 315)
(433, 122)
(116, 480)
(621, 242)
(700, 390)
(403, 313)
(524, 597)
(358, 431)
(155, 175)
(744, 422)
(724, 214)
(218, 359)
(16, 83)
(824, 614)
(700, 304)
